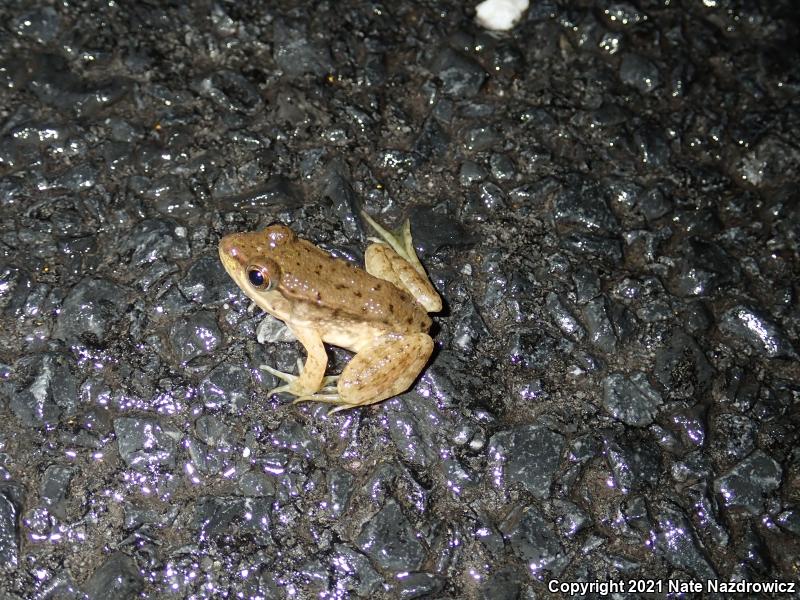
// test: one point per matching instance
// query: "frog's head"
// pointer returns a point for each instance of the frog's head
(248, 258)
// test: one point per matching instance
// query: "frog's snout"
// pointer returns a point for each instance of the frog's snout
(230, 251)
(227, 245)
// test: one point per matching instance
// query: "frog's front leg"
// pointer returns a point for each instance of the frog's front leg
(312, 375)
(385, 368)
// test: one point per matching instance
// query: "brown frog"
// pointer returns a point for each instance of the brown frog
(380, 314)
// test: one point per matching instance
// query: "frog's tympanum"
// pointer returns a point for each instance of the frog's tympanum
(379, 314)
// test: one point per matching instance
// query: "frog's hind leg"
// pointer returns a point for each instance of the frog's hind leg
(394, 259)
(311, 378)
(386, 368)
(399, 240)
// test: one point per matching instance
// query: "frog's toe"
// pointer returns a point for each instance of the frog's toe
(341, 407)
(400, 240)
(329, 381)
(327, 398)
(287, 377)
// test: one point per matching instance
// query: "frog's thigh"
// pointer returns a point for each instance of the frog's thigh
(382, 261)
(386, 368)
(310, 379)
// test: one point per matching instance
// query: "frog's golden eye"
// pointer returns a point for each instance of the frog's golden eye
(263, 276)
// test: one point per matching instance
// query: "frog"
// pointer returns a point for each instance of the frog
(379, 313)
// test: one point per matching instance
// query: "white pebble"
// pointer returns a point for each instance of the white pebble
(500, 15)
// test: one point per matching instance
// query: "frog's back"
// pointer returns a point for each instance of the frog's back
(316, 281)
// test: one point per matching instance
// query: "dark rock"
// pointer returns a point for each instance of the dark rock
(599, 326)
(276, 194)
(143, 444)
(90, 311)
(682, 367)
(390, 542)
(530, 350)
(54, 487)
(219, 517)
(212, 431)
(338, 189)
(356, 571)
(50, 389)
(471, 172)
(603, 248)
(197, 335)
(410, 438)
(41, 25)
(631, 400)
(502, 167)
(570, 519)
(533, 541)
(231, 91)
(479, 139)
(653, 146)
(117, 577)
(227, 385)
(417, 585)
(582, 206)
(527, 455)
(297, 53)
(434, 231)
(654, 204)
(206, 460)
(748, 483)
(587, 283)
(703, 269)
(789, 520)
(751, 326)
(674, 539)
(503, 584)
(206, 282)
(563, 318)
(639, 72)
(340, 488)
(740, 389)
(460, 76)
(432, 143)
(11, 502)
(634, 467)
(256, 484)
(469, 329)
(152, 240)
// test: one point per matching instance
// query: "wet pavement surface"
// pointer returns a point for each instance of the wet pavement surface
(606, 198)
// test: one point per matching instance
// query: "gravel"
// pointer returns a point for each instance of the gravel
(604, 196)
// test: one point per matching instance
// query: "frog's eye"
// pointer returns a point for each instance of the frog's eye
(256, 277)
(263, 277)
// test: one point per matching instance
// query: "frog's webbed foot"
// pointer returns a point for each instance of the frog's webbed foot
(328, 382)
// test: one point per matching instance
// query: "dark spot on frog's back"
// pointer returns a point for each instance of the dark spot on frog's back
(357, 294)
